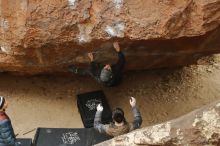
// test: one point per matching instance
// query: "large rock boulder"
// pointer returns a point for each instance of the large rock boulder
(46, 36)
(198, 128)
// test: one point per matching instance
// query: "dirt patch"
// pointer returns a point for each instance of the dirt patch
(50, 101)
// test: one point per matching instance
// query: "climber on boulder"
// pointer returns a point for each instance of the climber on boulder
(109, 75)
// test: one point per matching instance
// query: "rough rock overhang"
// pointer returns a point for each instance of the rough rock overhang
(46, 36)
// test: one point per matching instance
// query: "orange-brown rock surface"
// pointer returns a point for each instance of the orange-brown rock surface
(41, 36)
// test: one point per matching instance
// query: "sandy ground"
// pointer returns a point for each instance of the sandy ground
(50, 101)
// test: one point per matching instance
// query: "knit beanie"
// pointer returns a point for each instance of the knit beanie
(2, 102)
(105, 75)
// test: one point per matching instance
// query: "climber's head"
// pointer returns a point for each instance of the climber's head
(106, 73)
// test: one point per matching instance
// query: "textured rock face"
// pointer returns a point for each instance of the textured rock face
(198, 128)
(46, 36)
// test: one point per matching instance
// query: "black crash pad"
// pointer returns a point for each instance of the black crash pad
(25, 141)
(68, 137)
(87, 103)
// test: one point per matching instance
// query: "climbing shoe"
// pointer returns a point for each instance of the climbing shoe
(73, 69)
